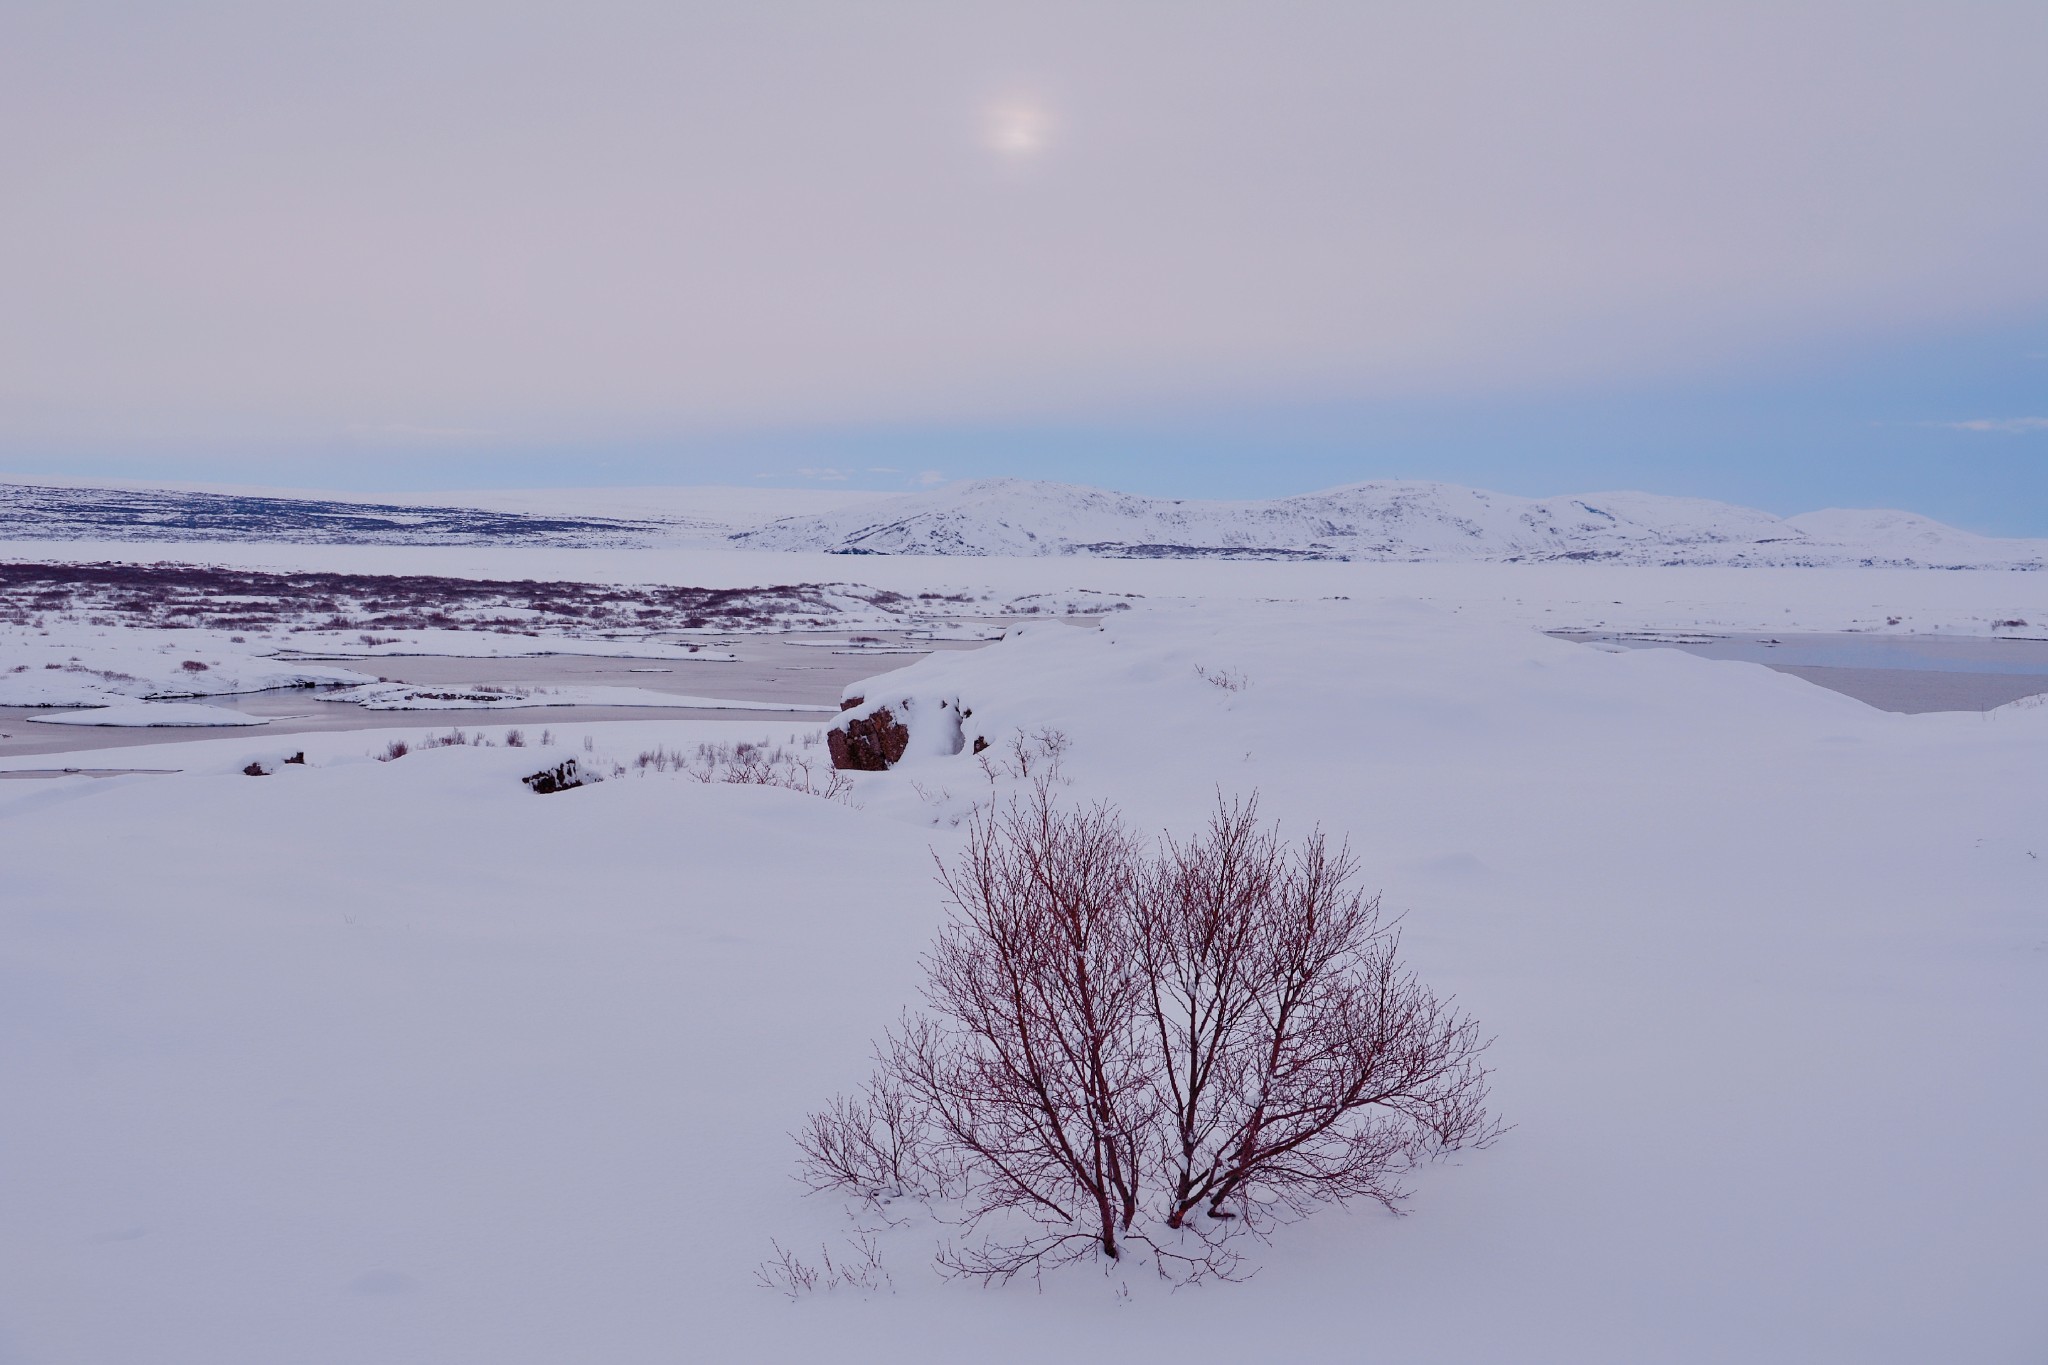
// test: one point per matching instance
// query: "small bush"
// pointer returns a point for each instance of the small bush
(397, 748)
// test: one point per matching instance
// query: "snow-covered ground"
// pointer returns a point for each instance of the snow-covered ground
(398, 1060)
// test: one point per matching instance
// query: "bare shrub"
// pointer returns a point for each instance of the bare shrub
(786, 1273)
(878, 1144)
(1116, 1038)
(515, 739)
(397, 748)
(461, 738)
(1030, 1064)
(1229, 679)
(752, 764)
(860, 1268)
(1301, 1062)
(1030, 757)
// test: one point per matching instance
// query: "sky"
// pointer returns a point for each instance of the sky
(1787, 254)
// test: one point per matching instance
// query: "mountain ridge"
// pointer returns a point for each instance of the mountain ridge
(1377, 520)
(1387, 520)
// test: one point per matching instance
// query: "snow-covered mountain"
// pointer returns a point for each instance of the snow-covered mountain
(1383, 521)
(1365, 521)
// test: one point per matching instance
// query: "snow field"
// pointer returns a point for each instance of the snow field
(399, 1061)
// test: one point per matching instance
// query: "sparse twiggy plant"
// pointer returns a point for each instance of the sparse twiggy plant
(1229, 679)
(1034, 757)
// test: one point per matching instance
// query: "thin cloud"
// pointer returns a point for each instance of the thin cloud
(2009, 425)
(401, 433)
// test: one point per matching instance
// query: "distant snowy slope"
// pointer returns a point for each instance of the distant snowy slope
(1384, 521)
(66, 512)
(1910, 535)
(714, 510)
(1379, 521)
(117, 510)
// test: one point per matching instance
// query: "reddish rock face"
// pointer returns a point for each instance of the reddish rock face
(868, 744)
(851, 702)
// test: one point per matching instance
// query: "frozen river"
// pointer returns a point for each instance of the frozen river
(804, 672)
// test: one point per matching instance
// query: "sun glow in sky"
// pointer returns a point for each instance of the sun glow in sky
(1017, 128)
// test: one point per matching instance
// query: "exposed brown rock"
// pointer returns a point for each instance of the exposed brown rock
(868, 744)
(851, 702)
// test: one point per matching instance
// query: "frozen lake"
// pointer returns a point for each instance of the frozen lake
(1903, 673)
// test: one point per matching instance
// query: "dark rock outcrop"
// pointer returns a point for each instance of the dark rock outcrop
(868, 743)
(564, 776)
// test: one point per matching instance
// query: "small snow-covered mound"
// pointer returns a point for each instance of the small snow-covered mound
(153, 713)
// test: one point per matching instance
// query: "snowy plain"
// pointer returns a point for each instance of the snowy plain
(397, 1060)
